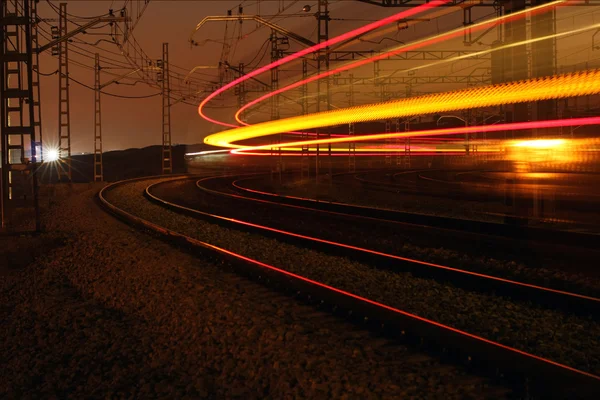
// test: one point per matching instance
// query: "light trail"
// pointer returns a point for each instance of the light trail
(554, 87)
(416, 154)
(413, 46)
(348, 35)
(514, 126)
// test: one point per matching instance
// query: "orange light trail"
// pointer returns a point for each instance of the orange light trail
(402, 49)
(514, 126)
(554, 87)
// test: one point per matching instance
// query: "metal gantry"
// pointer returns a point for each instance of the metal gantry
(19, 183)
(64, 116)
(167, 159)
(98, 166)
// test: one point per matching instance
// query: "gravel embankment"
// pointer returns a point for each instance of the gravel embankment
(568, 339)
(106, 311)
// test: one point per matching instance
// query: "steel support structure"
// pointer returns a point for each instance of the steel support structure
(18, 148)
(407, 163)
(515, 60)
(388, 123)
(35, 83)
(240, 89)
(397, 141)
(64, 116)
(305, 158)
(543, 58)
(323, 85)
(275, 114)
(165, 86)
(417, 80)
(98, 166)
(351, 132)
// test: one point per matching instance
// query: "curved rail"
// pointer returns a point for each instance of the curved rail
(540, 374)
(586, 240)
(460, 277)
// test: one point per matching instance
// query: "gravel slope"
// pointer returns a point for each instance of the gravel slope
(569, 339)
(112, 312)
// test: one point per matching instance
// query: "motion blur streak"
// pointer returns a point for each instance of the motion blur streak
(555, 123)
(348, 35)
(554, 87)
(413, 46)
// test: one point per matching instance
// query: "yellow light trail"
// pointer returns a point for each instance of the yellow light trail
(425, 42)
(554, 87)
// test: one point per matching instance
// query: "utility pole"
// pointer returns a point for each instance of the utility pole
(305, 158)
(388, 123)
(98, 167)
(241, 88)
(18, 148)
(351, 145)
(323, 65)
(397, 142)
(64, 119)
(167, 166)
(35, 83)
(275, 115)
(406, 144)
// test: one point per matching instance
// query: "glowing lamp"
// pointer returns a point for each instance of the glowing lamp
(51, 155)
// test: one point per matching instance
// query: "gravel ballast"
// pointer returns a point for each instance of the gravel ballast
(568, 339)
(108, 311)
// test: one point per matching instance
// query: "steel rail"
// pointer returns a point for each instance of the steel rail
(540, 374)
(535, 372)
(460, 277)
(589, 241)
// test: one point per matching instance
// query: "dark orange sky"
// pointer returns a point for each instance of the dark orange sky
(137, 122)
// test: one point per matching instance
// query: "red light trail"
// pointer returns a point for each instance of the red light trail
(348, 35)
(403, 49)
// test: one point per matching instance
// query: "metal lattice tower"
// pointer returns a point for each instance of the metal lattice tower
(98, 167)
(167, 166)
(35, 83)
(323, 65)
(388, 122)
(241, 88)
(19, 185)
(407, 145)
(397, 142)
(64, 116)
(275, 114)
(305, 159)
(351, 145)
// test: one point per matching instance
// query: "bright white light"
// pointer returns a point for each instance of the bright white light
(51, 155)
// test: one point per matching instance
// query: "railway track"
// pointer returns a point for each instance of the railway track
(492, 189)
(551, 248)
(370, 252)
(482, 353)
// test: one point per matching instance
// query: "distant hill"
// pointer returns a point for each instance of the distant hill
(122, 164)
